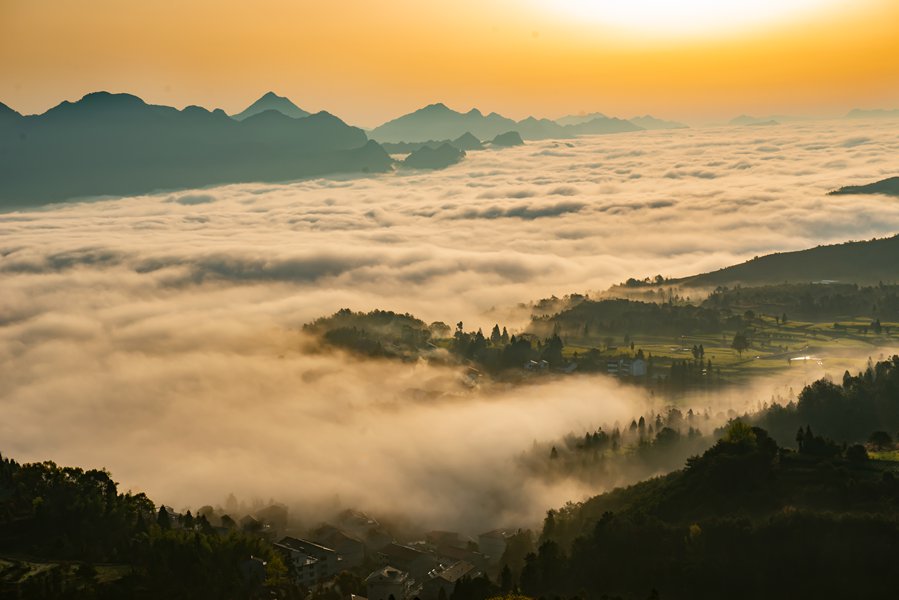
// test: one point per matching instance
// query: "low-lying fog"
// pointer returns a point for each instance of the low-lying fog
(158, 335)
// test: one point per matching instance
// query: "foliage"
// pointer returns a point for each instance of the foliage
(847, 412)
(793, 525)
(376, 333)
(66, 513)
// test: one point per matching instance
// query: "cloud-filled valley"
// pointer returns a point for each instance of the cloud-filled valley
(160, 335)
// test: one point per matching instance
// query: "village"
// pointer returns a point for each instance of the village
(359, 546)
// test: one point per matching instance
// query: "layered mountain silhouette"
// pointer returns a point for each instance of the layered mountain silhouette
(8, 115)
(116, 144)
(644, 122)
(465, 142)
(272, 101)
(508, 139)
(867, 262)
(650, 122)
(579, 119)
(439, 122)
(434, 158)
(889, 187)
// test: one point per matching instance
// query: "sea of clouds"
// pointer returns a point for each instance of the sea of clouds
(160, 335)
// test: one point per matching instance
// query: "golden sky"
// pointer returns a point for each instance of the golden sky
(368, 61)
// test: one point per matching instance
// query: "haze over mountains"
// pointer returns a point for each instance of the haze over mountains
(272, 101)
(117, 144)
(438, 121)
(111, 144)
(877, 113)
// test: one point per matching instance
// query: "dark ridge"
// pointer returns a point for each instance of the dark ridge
(116, 144)
(889, 187)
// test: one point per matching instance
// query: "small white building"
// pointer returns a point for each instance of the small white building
(309, 562)
(638, 368)
(389, 582)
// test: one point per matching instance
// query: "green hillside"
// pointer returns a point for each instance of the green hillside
(867, 262)
(889, 186)
(747, 519)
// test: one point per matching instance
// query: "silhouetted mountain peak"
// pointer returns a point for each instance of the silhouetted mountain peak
(6, 111)
(107, 99)
(434, 158)
(272, 101)
(267, 116)
(110, 144)
(467, 141)
(326, 117)
(510, 138)
(474, 113)
(100, 101)
(437, 107)
(580, 119)
(100, 104)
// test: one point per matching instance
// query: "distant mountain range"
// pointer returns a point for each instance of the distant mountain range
(888, 187)
(116, 144)
(650, 122)
(272, 101)
(507, 140)
(440, 157)
(464, 142)
(439, 122)
(580, 119)
(877, 113)
(867, 262)
(744, 120)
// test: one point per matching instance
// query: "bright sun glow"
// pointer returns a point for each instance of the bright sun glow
(689, 17)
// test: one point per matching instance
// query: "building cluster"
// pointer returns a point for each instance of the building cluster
(626, 367)
(427, 569)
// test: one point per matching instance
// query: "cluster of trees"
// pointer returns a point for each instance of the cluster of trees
(376, 333)
(782, 524)
(79, 519)
(594, 319)
(811, 301)
(685, 373)
(652, 444)
(847, 411)
(849, 420)
(502, 351)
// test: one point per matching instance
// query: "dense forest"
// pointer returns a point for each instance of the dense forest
(100, 543)
(816, 519)
(862, 409)
(747, 519)
(618, 316)
(831, 302)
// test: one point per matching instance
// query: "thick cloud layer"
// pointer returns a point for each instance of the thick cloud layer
(159, 335)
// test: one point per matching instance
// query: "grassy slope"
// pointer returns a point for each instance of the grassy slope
(857, 262)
